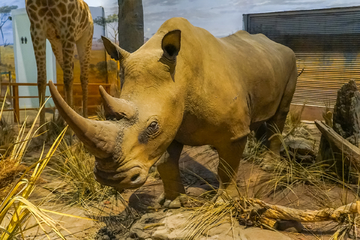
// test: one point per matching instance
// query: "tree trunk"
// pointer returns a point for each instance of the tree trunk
(340, 142)
(131, 24)
(346, 118)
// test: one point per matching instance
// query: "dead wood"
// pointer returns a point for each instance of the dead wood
(286, 213)
(348, 149)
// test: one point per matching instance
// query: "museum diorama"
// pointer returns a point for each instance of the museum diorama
(188, 119)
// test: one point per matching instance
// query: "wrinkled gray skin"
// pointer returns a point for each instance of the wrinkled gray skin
(186, 87)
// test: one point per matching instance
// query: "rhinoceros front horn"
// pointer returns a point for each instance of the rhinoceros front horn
(116, 107)
(98, 136)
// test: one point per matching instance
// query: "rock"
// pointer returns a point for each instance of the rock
(169, 226)
(160, 234)
(260, 234)
(300, 145)
(142, 228)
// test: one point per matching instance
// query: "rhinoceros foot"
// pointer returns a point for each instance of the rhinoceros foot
(178, 202)
(223, 196)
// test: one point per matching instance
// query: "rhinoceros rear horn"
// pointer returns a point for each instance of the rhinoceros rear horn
(116, 107)
(114, 50)
(85, 129)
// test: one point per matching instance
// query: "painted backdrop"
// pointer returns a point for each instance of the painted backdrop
(221, 18)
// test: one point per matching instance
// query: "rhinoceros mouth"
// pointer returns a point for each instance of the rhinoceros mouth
(127, 178)
(111, 175)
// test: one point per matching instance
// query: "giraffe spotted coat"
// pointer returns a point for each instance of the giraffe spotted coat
(65, 23)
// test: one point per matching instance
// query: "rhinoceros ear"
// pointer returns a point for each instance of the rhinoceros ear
(114, 50)
(171, 44)
(171, 47)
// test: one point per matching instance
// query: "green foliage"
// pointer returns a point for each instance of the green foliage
(102, 21)
(4, 17)
(7, 9)
(111, 21)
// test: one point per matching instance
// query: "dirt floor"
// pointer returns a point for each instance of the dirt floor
(198, 169)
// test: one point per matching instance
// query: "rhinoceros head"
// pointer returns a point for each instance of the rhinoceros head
(140, 124)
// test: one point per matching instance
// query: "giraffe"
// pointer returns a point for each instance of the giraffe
(65, 23)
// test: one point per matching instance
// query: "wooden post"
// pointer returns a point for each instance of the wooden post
(16, 103)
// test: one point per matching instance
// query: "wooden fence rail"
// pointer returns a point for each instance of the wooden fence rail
(15, 95)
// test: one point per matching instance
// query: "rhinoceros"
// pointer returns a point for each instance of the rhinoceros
(186, 87)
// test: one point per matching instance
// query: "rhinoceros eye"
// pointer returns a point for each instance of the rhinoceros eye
(153, 128)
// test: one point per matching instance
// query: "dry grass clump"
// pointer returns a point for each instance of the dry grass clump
(295, 167)
(254, 149)
(75, 167)
(291, 171)
(292, 167)
(100, 113)
(10, 161)
(54, 127)
(7, 132)
(10, 170)
(15, 209)
(7, 135)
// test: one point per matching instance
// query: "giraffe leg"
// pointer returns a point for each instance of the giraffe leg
(68, 48)
(39, 45)
(57, 49)
(83, 46)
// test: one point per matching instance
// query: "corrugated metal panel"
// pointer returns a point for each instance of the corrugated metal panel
(326, 43)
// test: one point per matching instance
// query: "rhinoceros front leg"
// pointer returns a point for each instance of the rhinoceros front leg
(230, 155)
(170, 175)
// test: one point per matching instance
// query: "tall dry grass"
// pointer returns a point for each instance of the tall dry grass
(15, 208)
(74, 166)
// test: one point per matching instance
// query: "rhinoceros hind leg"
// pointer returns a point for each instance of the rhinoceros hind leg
(277, 122)
(230, 156)
(170, 175)
(261, 134)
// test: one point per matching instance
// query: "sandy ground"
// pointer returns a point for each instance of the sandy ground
(195, 162)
